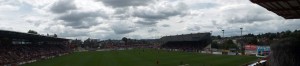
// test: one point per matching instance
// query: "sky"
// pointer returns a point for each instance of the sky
(139, 19)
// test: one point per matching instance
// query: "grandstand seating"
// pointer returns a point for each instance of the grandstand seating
(189, 42)
(10, 54)
(185, 45)
(17, 47)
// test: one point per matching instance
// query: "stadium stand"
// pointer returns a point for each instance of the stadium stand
(19, 48)
(187, 42)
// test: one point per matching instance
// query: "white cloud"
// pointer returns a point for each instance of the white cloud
(126, 3)
(38, 3)
(108, 19)
(8, 8)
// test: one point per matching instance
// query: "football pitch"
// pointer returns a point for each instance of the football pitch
(141, 57)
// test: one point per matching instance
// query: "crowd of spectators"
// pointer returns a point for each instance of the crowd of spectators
(17, 53)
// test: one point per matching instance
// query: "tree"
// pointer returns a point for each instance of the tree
(77, 42)
(252, 40)
(54, 35)
(125, 40)
(228, 44)
(214, 44)
(249, 35)
(219, 37)
(32, 32)
(87, 41)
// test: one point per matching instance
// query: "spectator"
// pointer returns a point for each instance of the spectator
(285, 53)
(16, 53)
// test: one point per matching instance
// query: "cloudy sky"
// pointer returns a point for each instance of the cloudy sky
(139, 19)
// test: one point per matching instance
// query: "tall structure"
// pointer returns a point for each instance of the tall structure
(288, 9)
(223, 33)
(241, 31)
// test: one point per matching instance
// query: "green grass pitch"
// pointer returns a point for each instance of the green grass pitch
(138, 57)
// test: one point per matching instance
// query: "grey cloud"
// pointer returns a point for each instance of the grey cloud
(262, 27)
(180, 21)
(220, 28)
(73, 33)
(147, 22)
(6, 28)
(155, 16)
(34, 22)
(152, 30)
(204, 5)
(120, 36)
(122, 28)
(62, 31)
(82, 19)
(136, 36)
(288, 25)
(125, 3)
(113, 36)
(248, 14)
(165, 25)
(151, 15)
(258, 17)
(194, 28)
(122, 31)
(121, 10)
(214, 22)
(161, 14)
(158, 14)
(63, 6)
(103, 28)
